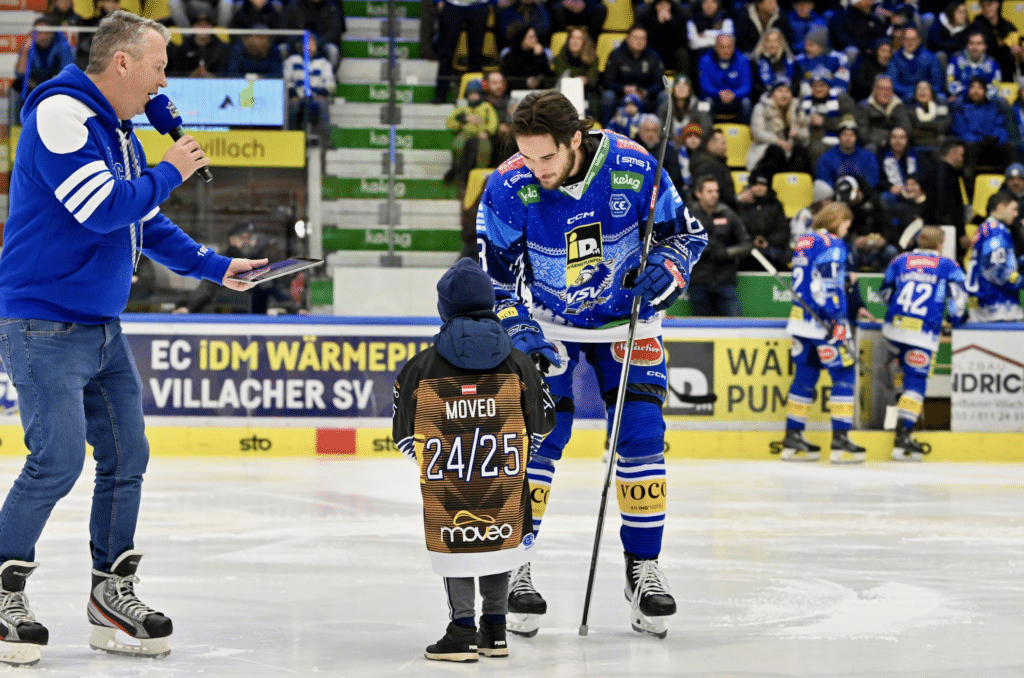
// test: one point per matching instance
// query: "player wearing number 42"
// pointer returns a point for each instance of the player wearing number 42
(561, 228)
(471, 410)
(919, 287)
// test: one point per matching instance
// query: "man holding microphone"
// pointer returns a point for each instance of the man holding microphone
(84, 207)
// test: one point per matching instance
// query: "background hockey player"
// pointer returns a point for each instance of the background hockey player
(819, 279)
(560, 227)
(471, 410)
(993, 279)
(919, 287)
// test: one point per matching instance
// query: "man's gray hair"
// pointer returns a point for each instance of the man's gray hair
(121, 32)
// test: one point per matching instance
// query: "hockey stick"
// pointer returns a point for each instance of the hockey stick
(621, 395)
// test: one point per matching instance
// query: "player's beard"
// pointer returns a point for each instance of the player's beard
(562, 175)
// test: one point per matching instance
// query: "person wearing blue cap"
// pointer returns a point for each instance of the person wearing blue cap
(470, 411)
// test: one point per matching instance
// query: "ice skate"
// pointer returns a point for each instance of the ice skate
(20, 634)
(123, 624)
(525, 605)
(906, 448)
(457, 645)
(845, 451)
(649, 595)
(797, 448)
(490, 641)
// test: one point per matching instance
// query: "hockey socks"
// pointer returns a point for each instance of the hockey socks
(640, 489)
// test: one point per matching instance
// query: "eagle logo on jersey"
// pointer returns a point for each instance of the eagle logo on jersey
(587, 273)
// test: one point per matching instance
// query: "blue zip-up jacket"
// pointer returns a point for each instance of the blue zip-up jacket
(974, 121)
(75, 198)
(801, 27)
(833, 164)
(735, 77)
(907, 72)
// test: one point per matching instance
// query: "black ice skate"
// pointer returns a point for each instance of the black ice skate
(20, 634)
(845, 451)
(906, 448)
(525, 605)
(797, 448)
(648, 592)
(114, 608)
(458, 645)
(490, 642)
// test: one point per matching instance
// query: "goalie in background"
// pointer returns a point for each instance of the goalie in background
(473, 398)
(920, 287)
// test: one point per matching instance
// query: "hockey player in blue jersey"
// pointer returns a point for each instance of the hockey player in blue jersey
(993, 279)
(560, 226)
(919, 288)
(819, 278)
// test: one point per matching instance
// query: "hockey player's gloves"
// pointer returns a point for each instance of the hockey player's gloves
(663, 280)
(527, 336)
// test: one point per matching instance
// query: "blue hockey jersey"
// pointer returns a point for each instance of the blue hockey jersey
(819, 278)
(560, 255)
(993, 280)
(919, 288)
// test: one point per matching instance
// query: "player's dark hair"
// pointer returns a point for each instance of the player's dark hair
(549, 112)
(999, 199)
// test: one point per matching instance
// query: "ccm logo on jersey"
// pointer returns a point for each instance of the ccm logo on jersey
(573, 220)
(922, 262)
(646, 352)
(827, 354)
(916, 358)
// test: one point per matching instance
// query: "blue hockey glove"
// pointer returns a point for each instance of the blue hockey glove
(527, 336)
(664, 278)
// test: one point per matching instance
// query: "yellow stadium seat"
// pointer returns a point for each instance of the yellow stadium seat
(737, 140)
(1014, 13)
(1008, 90)
(84, 8)
(133, 6)
(795, 190)
(606, 42)
(985, 186)
(620, 15)
(739, 179)
(156, 9)
(475, 186)
(558, 39)
(973, 9)
(466, 79)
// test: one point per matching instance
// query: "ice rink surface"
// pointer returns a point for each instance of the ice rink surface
(285, 567)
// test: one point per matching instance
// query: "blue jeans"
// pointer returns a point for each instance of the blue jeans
(76, 384)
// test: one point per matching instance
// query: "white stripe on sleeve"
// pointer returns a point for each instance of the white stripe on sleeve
(79, 196)
(78, 176)
(94, 202)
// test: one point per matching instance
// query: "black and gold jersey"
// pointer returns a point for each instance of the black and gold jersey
(472, 432)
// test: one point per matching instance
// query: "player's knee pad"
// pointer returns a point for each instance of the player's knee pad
(642, 429)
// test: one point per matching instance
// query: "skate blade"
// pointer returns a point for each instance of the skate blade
(19, 654)
(846, 458)
(899, 454)
(453, 656)
(525, 625)
(651, 626)
(790, 454)
(116, 641)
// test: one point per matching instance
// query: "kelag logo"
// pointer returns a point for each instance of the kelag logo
(691, 378)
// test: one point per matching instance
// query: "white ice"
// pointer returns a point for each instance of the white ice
(283, 567)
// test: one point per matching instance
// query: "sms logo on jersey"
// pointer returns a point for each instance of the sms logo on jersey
(619, 205)
(917, 358)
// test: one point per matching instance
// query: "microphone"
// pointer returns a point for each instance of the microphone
(163, 116)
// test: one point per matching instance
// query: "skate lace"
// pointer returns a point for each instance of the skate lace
(522, 582)
(649, 580)
(124, 599)
(14, 607)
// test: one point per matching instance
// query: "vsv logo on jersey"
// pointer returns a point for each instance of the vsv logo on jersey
(619, 205)
(630, 180)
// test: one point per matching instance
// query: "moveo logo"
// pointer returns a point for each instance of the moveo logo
(464, 531)
(630, 180)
